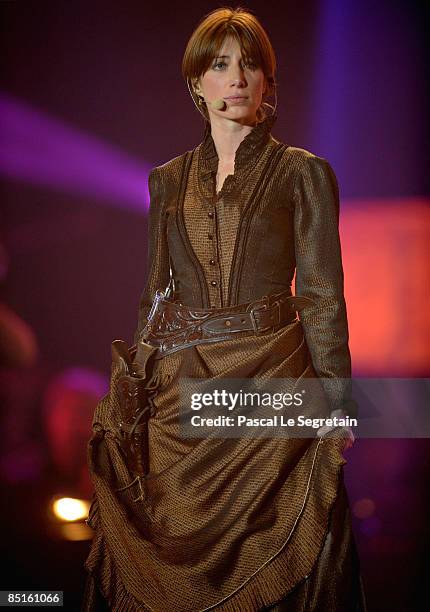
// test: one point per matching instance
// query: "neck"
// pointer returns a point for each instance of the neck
(227, 136)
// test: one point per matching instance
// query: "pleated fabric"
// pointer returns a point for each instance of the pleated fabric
(230, 524)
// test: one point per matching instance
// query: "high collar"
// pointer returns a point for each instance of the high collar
(246, 153)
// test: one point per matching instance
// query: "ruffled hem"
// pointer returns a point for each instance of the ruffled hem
(278, 576)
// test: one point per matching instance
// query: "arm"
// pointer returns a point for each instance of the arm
(319, 275)
(158, 253)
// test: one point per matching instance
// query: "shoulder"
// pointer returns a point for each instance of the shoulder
(302, 160)
(314, 183)
(299, 167)
(310, 172)
(168, 175)
(172, 166)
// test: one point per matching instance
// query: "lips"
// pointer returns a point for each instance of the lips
(236, 98)
(236, 101)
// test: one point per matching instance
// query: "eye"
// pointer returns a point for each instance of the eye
(249, 64)
(219, 64)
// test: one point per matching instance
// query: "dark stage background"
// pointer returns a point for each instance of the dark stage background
(92, 98)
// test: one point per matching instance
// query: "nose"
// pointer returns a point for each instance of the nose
(237, 76)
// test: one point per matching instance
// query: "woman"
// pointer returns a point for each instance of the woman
(233, 524)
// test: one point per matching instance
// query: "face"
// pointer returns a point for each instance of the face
(230, 76)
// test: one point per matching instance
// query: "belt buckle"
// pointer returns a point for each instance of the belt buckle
(277, 305)
(254, 320)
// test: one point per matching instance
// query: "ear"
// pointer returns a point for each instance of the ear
(196, 86)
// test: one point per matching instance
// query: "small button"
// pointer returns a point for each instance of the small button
(228, 323)
(211, 214)
(214, 283)
(212, 262)
(210, 236)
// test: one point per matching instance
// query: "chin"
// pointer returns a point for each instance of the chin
(241, 113)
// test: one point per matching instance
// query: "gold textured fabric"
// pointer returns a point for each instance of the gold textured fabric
(278, 212)
(233, 524)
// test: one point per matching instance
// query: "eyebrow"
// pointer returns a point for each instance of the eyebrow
(221, 56)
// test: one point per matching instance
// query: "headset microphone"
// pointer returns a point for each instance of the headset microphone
(218, 104)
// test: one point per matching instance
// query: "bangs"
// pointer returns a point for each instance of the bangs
(212, 46)
(207, 40)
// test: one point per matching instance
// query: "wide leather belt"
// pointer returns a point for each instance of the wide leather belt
(173, 326)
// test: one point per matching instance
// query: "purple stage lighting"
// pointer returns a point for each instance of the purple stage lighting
(41, 150)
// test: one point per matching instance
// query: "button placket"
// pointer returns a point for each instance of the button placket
(215, 256)
(214, 284)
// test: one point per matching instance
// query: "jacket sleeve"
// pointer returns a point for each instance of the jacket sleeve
(319, 275)
(158, 252)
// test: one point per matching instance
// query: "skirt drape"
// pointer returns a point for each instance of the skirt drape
(225, 524)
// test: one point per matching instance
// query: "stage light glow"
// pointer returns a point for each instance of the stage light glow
(43, 150)
(70, 509)
(363, 508)
(76, 532)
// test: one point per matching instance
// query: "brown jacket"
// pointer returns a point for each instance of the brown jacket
(278, 213)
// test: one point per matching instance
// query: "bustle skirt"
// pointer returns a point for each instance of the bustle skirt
(222, 524)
